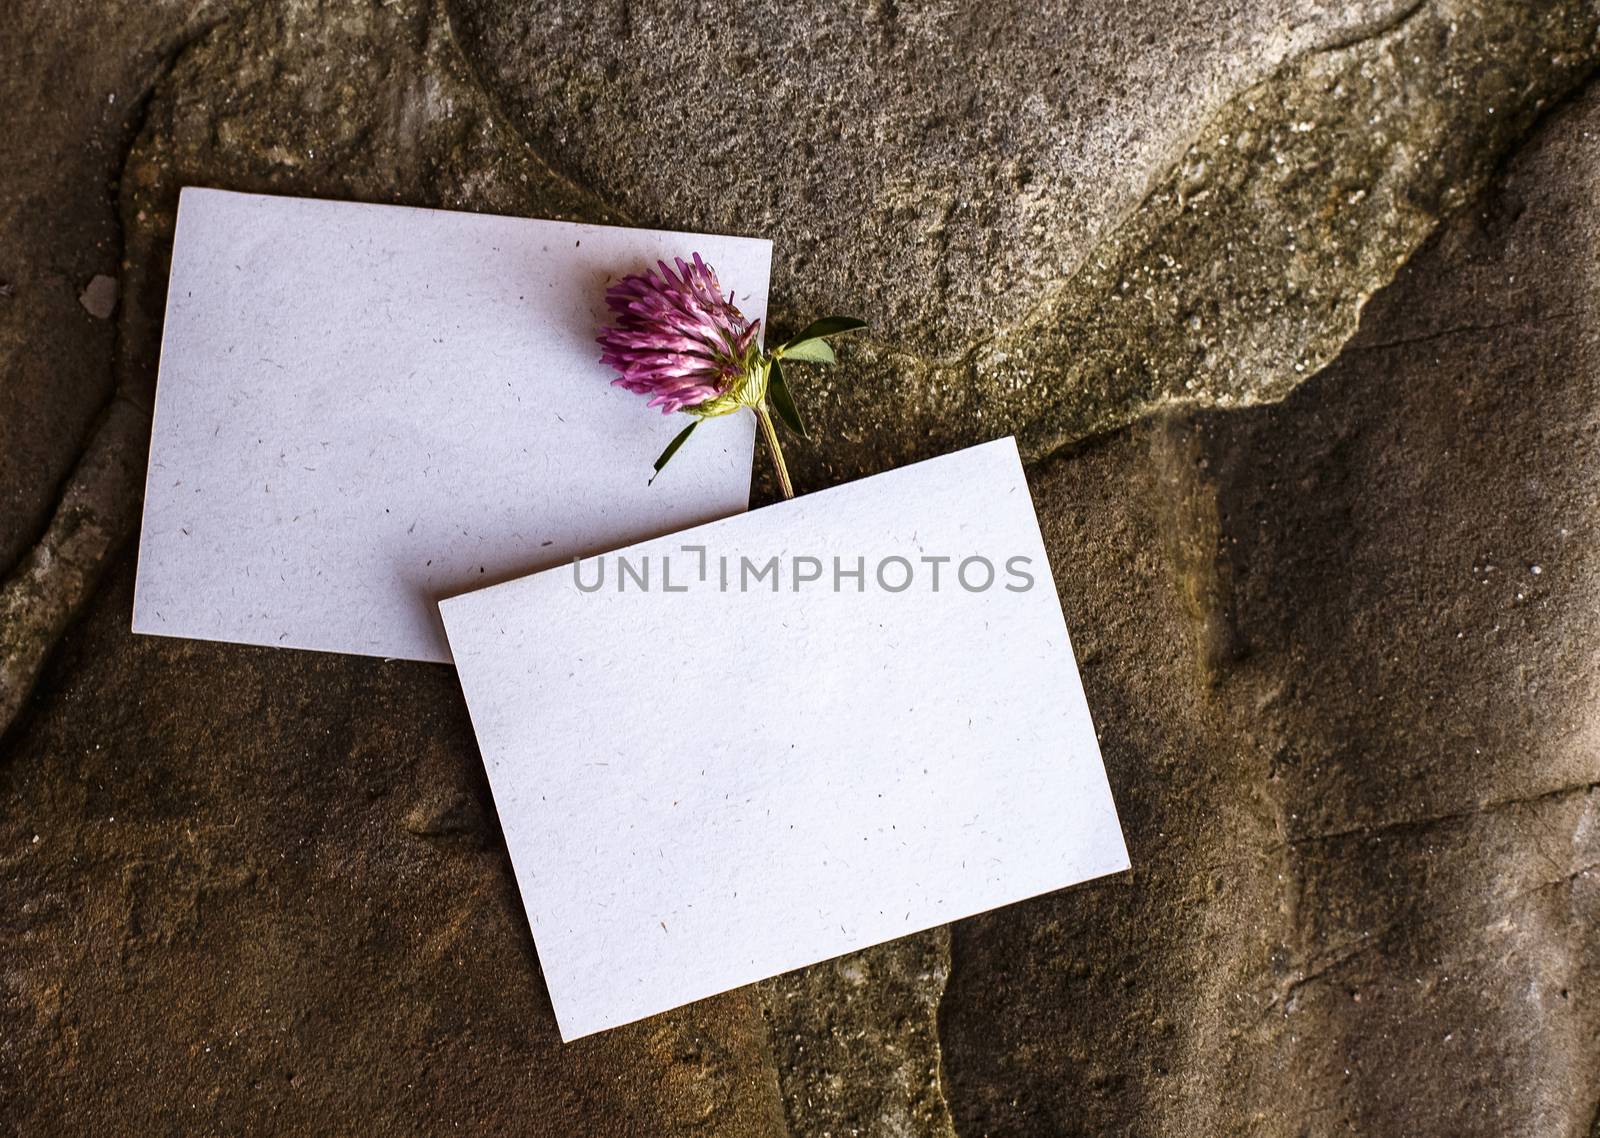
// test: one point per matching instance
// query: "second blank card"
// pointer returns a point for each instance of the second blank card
(784, 736)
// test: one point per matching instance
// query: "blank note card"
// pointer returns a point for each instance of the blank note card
(779, 737)
(364, 408)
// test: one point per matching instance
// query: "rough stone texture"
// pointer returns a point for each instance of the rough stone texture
(56, 576)
(1350, 728)
(855, 1041)
(73, 81)
(1246, 269)
(1342, 657)
(911, 161)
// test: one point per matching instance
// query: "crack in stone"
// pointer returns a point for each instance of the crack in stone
(1341, 956)
(614, 213)
(1404, 825)
(1374, 29)
(1466, 330)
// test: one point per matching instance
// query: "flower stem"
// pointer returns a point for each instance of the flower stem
(770, 433)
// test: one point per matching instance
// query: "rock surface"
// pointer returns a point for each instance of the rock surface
(74, 80)
(1340, 649)
(1353, 736)
(916, 162)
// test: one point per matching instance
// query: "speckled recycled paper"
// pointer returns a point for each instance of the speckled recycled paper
(774, 739)
(364, 408)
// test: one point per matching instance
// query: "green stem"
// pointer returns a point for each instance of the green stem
(770, 433)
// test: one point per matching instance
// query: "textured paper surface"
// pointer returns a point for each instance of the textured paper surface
(364, 408)
(701, 789)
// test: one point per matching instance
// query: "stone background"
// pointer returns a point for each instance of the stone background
(1332, 566)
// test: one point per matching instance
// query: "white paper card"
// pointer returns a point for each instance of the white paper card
(702, 786)
(364, 408)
